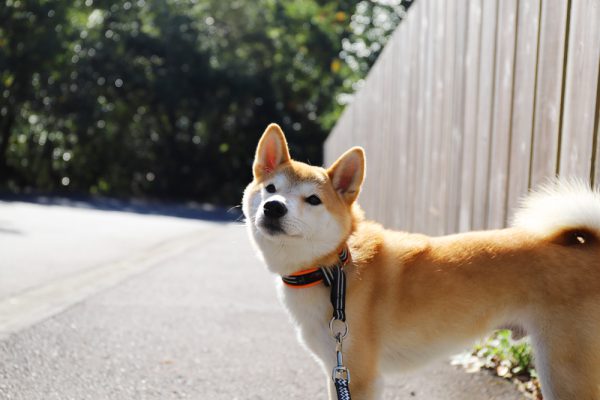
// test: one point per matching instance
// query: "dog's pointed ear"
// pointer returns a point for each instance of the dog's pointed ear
(347, 174)
(271, 152)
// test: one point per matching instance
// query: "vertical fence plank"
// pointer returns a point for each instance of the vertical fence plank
(331, 140)
(447, 113)
(470, 114)
(523, 101)
(374, 136)
(437, 203)
(394, 167)
(402, 191)
(387, 172)
(341, 132)
(484, 113)
(398, 131)
(456, 132)
(413, 117)
(424, 167)
(387, 133)
(548, 91)
(360, 123)
(417, 118)
(580, 89)
(596, 172)
(371, 135)
(329, 143)
(505, 52)
(430, 190)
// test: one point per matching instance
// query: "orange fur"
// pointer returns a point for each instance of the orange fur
(412, 298)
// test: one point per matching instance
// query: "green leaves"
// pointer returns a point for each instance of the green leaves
(510, 357)
(164, 98)
(507, 358)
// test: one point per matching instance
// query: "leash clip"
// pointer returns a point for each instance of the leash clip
(340, 371)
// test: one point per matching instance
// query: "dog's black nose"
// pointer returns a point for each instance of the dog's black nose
(274, 209)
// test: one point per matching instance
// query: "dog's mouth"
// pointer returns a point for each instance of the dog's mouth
(270, 227)
(275, 228)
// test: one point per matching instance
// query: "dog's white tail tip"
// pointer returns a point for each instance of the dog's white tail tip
(560, 205)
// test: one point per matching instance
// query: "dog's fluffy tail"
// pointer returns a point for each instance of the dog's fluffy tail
(568, 211)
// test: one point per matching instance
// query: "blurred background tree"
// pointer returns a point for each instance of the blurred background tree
(167, 98)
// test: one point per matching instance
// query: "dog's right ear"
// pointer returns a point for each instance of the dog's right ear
(272, 151)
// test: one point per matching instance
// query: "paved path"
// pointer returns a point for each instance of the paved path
(202, 322)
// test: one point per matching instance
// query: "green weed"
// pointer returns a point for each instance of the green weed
(508, 358)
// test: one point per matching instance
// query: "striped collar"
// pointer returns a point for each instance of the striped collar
(314, 276)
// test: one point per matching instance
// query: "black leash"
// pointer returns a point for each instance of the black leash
(342, 389)
(336, 279)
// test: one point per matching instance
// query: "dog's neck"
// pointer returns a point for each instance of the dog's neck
(289, 259)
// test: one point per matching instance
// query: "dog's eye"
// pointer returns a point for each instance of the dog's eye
(313, 200)
(271, 188)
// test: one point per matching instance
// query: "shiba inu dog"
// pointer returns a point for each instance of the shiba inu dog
(410, 297)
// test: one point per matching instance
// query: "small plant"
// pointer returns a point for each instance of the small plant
(507, 358)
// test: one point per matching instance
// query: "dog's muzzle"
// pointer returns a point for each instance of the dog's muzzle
(273, 212)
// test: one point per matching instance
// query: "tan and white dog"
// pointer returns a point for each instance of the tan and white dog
(411, 297)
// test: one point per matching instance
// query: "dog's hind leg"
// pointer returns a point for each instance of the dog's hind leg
(567, 357)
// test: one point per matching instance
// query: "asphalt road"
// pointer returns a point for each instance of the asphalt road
(189, 313)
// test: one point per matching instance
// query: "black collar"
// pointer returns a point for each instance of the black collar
(314, 276)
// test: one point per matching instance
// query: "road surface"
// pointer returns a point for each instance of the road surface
(97, 303)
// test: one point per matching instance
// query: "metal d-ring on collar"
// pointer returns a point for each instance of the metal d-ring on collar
(338, 332)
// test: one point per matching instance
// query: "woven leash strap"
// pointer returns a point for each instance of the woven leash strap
(342, 390)
(335, 278)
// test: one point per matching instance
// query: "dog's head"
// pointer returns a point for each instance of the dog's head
(297, 213)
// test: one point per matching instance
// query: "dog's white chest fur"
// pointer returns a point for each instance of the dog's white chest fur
(310, 310)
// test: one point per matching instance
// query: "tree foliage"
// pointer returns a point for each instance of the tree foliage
(165, 98)
(371, 25)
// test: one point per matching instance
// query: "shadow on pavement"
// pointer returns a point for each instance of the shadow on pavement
(189, 210)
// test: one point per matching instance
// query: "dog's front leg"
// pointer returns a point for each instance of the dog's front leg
(366, 388)
(362, 362)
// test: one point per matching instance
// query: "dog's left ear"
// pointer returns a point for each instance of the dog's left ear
(347, 174)
(272, 151)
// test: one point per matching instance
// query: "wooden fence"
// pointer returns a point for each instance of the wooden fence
(471, 103)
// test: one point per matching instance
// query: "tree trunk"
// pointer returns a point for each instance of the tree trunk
(5, 132)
